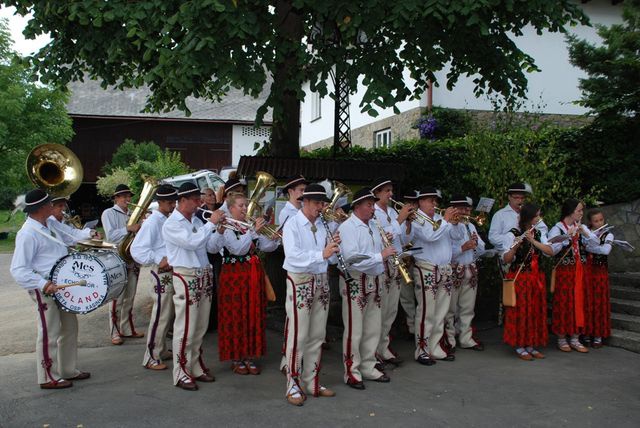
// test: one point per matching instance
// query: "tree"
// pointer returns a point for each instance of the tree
(133, 162)
(203, 48)
(30, 114)
(613, 68)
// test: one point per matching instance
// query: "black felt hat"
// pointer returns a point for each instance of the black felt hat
(293, 182)
(231, 184)
(380, 182)
(59, 199)
(315, 192)
(429, 192)
(166, 192)
(520, 188)
(35, 199)
(461, 200)
(121, 189)
(362, 195)
(188, 189)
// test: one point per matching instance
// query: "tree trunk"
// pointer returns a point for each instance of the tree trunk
(285, 134)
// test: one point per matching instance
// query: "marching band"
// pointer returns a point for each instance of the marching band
(412, 255)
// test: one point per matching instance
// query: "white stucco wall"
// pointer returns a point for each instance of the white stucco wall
(243, 138)
(550, 91)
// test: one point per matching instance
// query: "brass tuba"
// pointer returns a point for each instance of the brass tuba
(330, 213)
(146, 197)
(264, 180)
(55, 169)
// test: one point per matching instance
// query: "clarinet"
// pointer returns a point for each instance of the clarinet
(342, 265)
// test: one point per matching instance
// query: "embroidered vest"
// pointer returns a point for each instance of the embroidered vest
(523, 254)
(227, 257)
(600, 259)
(569, 258)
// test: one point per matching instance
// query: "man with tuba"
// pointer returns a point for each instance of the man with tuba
(148, 249)
(465, 285)
(361, 299)
(187, 242)
(39, 244)
(433, 275)
(114, 221)
(391, 221)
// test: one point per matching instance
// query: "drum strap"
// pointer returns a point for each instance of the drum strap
(46, 235)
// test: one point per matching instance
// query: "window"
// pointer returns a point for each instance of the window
(382, 138)
(316, 106)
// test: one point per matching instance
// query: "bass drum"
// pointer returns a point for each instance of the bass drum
(104, 271)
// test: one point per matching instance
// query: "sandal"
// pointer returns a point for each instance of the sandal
(252, 368)
(524, 355)
(577, 346)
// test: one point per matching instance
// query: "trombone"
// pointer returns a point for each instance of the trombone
(418, 216)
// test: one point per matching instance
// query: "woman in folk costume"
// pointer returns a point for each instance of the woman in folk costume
(597, 294)
(525, 324)
(242, 298)
(569, 291)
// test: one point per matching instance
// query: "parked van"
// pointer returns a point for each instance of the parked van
(203, 178)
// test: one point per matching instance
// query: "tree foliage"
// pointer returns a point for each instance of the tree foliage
(613, 67)
(30, 114)
(133, 162)
(203, 48)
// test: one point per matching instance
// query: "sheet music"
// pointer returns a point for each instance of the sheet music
(485, 205)
(91, 224)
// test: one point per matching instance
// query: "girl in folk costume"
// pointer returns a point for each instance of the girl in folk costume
(242, 298)
(597, 303)
(569, 293)
(525, 324)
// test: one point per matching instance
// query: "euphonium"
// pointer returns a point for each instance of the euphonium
(146, 197)
(418, 217)
(264, 180)
(330, 213)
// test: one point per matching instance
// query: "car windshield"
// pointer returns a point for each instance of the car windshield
(215, 181)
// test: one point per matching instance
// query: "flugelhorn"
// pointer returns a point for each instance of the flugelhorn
(418, 216)
(480, 219)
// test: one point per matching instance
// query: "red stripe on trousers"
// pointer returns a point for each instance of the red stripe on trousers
(181, 355)
(45, 338)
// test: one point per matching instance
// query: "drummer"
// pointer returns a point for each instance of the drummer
(39, 244)
(59, 207)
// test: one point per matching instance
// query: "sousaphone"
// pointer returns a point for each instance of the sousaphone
(55, 169)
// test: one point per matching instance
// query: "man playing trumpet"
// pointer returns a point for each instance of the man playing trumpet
(433, 274)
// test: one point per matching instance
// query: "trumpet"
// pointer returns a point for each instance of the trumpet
(242, 226)
(418, 216)
(402, 268)
(480, 219)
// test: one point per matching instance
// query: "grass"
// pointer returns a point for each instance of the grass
(12, 226)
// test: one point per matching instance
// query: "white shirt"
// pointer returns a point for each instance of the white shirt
(560, 229)
(468, 256)
(389, 221)
(600, 248)
(70, 235)
(436, 245)
(302, 248)
(239, 245)
(225, 208)
(148, 246)
(35, 255)
(287, 212)
(502, 222)
(187, 241)
(114, 222)
(360, 238)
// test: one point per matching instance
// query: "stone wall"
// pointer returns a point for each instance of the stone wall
(401, 125)
(626, 219)
(401, 129)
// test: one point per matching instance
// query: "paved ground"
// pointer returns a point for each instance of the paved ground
(491, 388)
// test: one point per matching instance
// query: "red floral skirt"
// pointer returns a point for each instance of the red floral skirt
(526, 323)
(597, 301)
(241, 311)
(564, 302)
